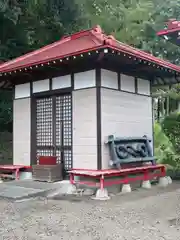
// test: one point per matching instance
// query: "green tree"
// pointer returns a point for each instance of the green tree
(134, 22)
(46, 21)
(28, 25)
(125, 19)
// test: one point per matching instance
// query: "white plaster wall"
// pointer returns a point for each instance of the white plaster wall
(124, 115)
(84, 129)
(21, 131)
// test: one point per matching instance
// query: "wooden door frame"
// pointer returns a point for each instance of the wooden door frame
(34, 97)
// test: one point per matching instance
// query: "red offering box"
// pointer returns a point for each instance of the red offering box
(47, 160)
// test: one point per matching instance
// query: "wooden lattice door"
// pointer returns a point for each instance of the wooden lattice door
(54, 128)
(63, 129)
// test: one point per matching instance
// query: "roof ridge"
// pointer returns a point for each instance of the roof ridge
(76, 34)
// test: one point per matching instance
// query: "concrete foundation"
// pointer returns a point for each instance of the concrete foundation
(101, 194)
(169, 179)
(126, 188)
(146, 184)
(163, 182)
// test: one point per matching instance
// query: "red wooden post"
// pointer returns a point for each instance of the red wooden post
(17, 174)
(163, 171)
(146, 173)
(102, 182)
(71, 178)
(125, 180)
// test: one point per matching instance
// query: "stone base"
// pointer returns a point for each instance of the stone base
(126, 188)
(146, 184)
(101, 194)
(169, 179)
(163, 182)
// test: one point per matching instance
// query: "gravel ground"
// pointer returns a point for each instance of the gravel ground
(139, 215)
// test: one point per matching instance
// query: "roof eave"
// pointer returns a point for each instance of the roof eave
(171, 70)
(156, 61)
(51, 60)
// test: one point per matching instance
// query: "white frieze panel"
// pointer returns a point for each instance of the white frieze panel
(143, 86)
(22, 90)
(61, 82)
(84, 79)
(109, 79)
(127, 83)
(41, 86)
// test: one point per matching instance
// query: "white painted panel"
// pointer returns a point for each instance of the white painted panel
(143, 86)
(61, 82)
(124, 115)
(109, 79)
(22, 131)
(22, 90)
(41, 86)
(84, 129)
(127, 83)
(84, 79)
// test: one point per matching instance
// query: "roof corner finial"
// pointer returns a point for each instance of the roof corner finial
(109, 39)
(97, 29)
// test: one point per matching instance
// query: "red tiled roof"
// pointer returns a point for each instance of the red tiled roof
(78, 43)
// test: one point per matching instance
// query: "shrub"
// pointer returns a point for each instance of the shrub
(171, 127)
(164, 149)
